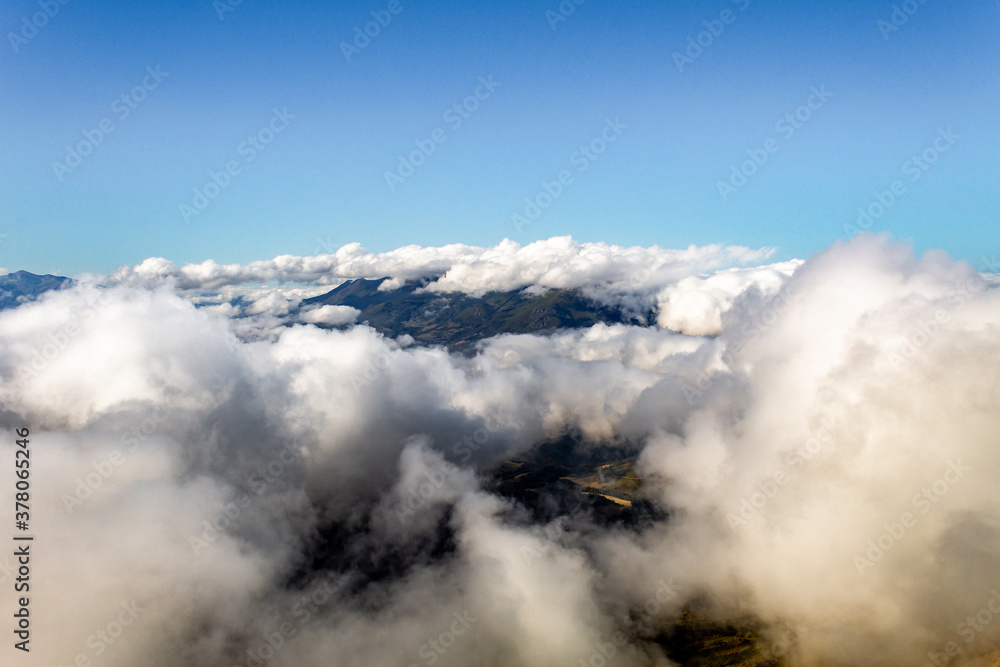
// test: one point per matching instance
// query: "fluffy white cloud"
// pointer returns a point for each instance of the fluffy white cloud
(555, 262)
(688, 289)
(313, 496)
(331, 315)
(695, 305)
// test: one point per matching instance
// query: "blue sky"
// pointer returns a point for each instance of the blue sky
(321, 181)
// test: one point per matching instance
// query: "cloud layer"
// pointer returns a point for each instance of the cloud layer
(554, 262)
(823, 443)
(688, 289)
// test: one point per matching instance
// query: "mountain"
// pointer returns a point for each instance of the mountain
(20, 286)
(454, 320)
(459, 320)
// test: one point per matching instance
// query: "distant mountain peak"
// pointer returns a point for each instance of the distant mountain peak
(459, 320)
(20, 287)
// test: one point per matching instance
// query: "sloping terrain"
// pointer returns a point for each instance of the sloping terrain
(458, 320)
(567, 477)
(21, 286)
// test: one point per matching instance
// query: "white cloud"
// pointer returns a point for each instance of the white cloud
(695, 305)
(861, 376)
(331, 315)
(555, 262)
(688, 289)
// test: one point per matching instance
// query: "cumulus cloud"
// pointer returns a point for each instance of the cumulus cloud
(330, 315)
(695, 305)
(819, 440)
(687, 290)
(555, 262)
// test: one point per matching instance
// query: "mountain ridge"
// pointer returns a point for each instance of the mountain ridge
(19, 287)
(459, 320)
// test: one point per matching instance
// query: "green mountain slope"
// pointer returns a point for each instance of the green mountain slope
(458, 320)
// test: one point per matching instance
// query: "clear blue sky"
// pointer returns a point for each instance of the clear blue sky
(323, 175)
